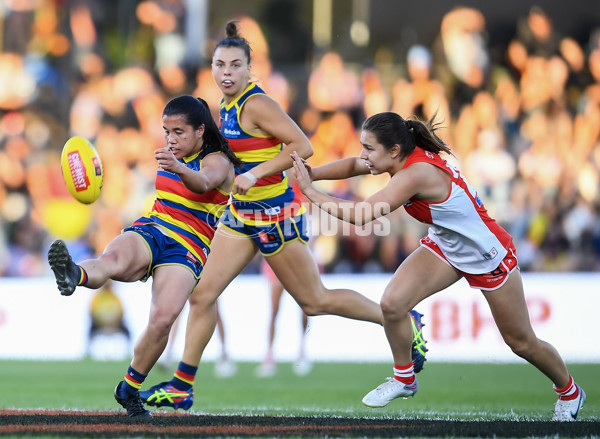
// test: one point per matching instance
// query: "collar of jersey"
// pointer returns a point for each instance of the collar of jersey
(235, 101)
(192, 157)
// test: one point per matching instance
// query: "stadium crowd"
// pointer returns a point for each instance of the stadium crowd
(524, 126)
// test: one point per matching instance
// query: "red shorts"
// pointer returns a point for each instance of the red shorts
(486, 281)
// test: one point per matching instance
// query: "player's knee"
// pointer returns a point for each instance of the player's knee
(203, 299)
(311, 309)
(161, 322)
(392, 307)
(318, 305)
(110, 260)
(521, 346)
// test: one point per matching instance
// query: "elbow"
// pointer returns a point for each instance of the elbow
(306, 151)
(361, 219)
(202, 188)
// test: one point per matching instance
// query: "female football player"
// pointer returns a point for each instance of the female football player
(463, 241)
(171, 243)
(264, 216)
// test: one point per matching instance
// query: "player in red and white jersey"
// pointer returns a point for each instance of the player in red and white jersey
(463, 241)
(460, 226)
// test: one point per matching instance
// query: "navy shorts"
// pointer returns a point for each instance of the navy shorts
(164, 250)
(269, 238)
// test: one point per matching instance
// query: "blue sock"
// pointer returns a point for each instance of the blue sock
(132, 383)
(184, 376)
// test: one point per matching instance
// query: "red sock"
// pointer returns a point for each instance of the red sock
(405, 374)
(569, 392)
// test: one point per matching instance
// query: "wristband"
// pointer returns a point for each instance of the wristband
(250, 176)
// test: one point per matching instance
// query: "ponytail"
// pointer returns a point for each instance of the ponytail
(391, 129)
(425, 136)
(214, 139)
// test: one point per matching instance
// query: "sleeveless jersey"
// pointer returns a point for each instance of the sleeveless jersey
(460, 225)
(186, 216)
(271, 199)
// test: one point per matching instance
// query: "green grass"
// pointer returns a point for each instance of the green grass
(447, 391)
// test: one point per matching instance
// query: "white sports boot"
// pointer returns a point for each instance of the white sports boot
(567, 410)
(388, 391)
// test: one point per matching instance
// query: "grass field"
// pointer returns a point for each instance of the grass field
(446, 391)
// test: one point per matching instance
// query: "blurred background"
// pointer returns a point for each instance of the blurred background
(516, 84)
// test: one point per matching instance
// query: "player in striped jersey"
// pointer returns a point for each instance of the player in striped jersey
(171, 243)
(264, 216)
(463, 241)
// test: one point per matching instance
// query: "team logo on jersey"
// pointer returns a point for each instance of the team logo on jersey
(491, 254)
(265, 238)
(429, 154)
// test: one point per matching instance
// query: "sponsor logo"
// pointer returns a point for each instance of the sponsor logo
(491, 254)
(77, 168)
(229, 132)
(497, 272)
(97, 167)
(273, 211)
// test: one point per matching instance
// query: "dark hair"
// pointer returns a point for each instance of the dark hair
(196, 113)
(391, 129)
(234, 39)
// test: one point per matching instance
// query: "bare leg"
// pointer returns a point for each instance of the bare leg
(297, 270)
(418, 277)
(229, 255)
(510, 313)
(167, 355)
(126, 259)
(171, 287)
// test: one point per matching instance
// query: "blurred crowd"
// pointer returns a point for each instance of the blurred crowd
(524, 126)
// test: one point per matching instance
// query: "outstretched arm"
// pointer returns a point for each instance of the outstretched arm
(340, 169)
(402, 186)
